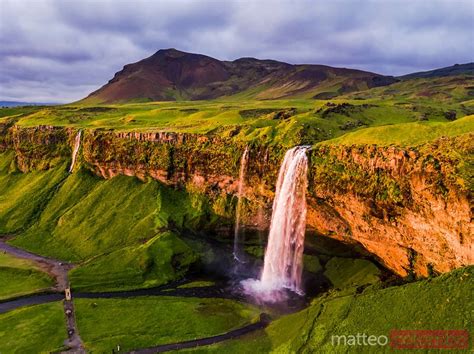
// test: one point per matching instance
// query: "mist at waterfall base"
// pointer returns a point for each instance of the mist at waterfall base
(283, 264)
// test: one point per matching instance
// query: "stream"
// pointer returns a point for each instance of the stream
(59, 271)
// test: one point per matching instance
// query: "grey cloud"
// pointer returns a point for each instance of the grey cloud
(60, 50)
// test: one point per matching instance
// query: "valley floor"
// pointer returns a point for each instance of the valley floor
(161, 320)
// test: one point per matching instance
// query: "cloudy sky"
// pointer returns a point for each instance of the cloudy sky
(61, 50)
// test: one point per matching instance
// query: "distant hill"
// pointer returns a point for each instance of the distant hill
(458, 69)
(19, 104)
(171, 74)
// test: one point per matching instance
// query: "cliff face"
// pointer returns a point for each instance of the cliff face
(411, 208)
(38, 148)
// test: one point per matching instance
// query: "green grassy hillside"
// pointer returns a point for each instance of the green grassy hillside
(406, 134)
(159, 260)
(287, 121)
(457, 69)
(436, 303)
(22, 196)
(120, 222)
(114, 228)
(437, 92)
(88, 216)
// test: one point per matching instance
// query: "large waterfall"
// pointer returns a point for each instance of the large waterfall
(77, 144)
(284, 254)
(243, 167)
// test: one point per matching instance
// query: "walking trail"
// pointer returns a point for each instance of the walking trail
(58, 271)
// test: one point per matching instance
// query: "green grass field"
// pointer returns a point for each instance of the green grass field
(197, 284)
(438, 303)
(437, 92)
(406, 134)
(21, 277)
(287, 122)
(33, 329)
(143, 322)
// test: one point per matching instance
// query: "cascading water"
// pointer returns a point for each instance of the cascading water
(75, 150)
(240, 191)
(284, 254)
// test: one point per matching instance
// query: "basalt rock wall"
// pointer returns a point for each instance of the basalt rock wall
(411, 208)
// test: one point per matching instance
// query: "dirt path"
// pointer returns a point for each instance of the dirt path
(53, 267)
(58, 270)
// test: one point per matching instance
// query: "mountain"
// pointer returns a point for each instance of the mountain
(457, 69)
(171, 74)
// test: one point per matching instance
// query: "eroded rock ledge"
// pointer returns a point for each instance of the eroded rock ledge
(412, 208)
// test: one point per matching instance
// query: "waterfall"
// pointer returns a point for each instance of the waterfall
(283, 263)
(240, 192)
(284, 253)
(77, 144)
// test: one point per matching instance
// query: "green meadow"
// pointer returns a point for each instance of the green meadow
(406, 134)
(286, 122)
(21, 277)
(148, 321)
(33, 329)
(435, 303)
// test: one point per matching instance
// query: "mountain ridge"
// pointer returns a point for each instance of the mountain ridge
(174, 75)
(170, 74)
(456, 69)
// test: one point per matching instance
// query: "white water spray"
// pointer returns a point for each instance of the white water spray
(77, 144)
(240, 192)
(283, 264)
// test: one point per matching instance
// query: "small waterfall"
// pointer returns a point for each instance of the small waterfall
(283, 263)
(77, 144)
(240, 192)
